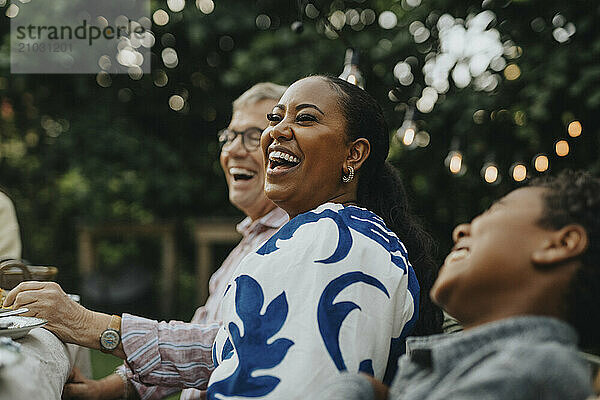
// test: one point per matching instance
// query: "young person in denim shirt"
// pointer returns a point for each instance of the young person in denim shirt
(524, 280)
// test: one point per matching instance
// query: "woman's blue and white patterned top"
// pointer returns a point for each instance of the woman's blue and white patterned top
(331, 291)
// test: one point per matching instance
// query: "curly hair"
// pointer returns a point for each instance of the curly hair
(381, 190)
(573, 197)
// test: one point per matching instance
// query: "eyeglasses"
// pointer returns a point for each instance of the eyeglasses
(250, 138)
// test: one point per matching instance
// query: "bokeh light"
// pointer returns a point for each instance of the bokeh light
(413, 3)
(103, 79)
(263, 22)
(135, 72)
(368, 16)
(311, 11)
(104, 62)
(575, 129)
(422, 139)
(455, 162)
(512, 72)
(160, 17)
(562, 31)
(176, 5)
(12, 11)
(519, 172)
(352, 17)
(479, 116)
(489, 172)
(388, 20)
(169, 57)
(541, 163)
(160, 78)
(206, 6)
(176, 102)
(469, 52)
(409, 136)
(337, 19)
(562, 148)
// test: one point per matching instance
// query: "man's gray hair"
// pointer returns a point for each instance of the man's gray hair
(258, 92)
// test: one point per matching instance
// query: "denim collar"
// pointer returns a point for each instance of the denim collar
(443, 350)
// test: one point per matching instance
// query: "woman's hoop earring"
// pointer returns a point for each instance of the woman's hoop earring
(348, 179)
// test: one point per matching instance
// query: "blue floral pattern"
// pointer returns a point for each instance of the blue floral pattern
(258, 329)
(308, 331)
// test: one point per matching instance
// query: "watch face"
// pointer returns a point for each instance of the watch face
(110, 339)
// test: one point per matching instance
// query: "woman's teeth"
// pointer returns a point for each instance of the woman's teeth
(280, 156)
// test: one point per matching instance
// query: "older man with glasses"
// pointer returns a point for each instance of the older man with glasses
(170, 356)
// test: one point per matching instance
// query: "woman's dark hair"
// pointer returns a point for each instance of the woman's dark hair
(380, 190)
(573, 197)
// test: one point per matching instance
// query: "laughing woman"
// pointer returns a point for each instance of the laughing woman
(345, 281)
(338, 288)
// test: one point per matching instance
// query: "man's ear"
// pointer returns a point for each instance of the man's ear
(358, 153)
(566, 243)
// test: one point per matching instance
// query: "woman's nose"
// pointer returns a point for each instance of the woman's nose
(460, 231)
(281, 131)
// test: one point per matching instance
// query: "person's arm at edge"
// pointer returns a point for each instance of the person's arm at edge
(349, 386)
(379, 388)
(108, 388)
(174, 353)
(68, 320)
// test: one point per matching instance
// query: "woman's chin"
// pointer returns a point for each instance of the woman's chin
(276, 193)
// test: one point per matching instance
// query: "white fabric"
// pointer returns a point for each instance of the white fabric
(324, 270)
(10, 237)
(42, 372)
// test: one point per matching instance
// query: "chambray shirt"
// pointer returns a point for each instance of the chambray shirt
(518, 358)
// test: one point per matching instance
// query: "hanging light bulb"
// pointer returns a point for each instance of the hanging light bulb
(490, 174)
(409, 136)
(541, 163)
(407, 132)
(454, 161)
(519, 172)
(562, 148)
(575, 129)
(351, 72)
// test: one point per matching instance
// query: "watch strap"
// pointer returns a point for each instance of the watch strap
(113, 329)
(115, 323)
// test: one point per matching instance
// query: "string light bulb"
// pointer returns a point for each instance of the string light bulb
(562, 148)
(575, 129)
(541, 163)
(455, 162)
(408, 131)
(490, 173)
(409, 136)
(519, 172)
(351, 72)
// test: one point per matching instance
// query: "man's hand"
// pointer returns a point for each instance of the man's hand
(80, 388)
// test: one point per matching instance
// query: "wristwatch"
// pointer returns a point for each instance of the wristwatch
(111, 337)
